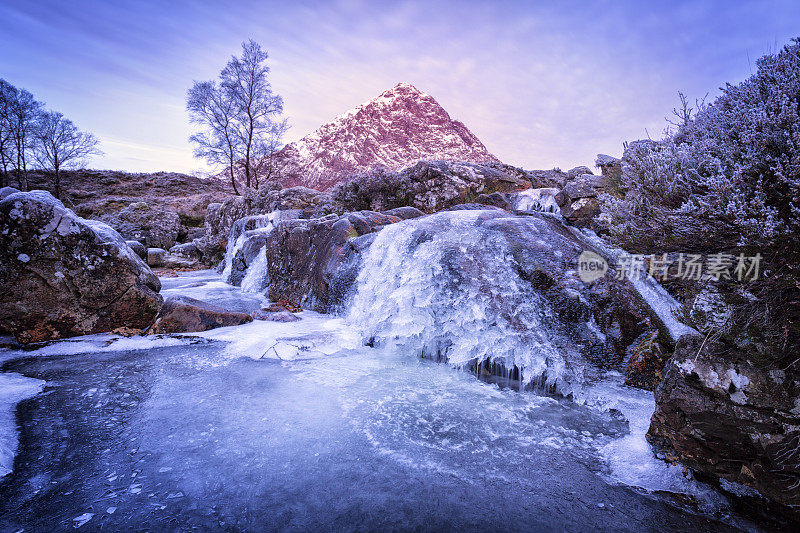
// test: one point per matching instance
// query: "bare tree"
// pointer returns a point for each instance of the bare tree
(240, 117)
(58, 144)
(6, 139)
(264, 161)
(23, 112)
(210, 106)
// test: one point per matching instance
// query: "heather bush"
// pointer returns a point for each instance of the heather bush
(728, 180)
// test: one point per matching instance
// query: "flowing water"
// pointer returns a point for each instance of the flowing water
(299, 426)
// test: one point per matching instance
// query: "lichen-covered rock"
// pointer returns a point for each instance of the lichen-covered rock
(155, 228)
(61, 275)
(732, 420)
(181, 314)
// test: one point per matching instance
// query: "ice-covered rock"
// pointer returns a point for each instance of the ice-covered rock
(61, 275)
(489, 290)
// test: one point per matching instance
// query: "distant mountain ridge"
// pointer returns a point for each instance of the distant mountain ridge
(399, 127)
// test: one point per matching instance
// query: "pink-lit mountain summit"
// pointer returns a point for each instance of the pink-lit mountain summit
(395, 129)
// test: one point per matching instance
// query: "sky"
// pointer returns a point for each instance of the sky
(542, 84)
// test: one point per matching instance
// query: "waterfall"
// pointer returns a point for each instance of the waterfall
(443, 287)
(654, 295)
(256, 279)
(542, 199)
(242, 231)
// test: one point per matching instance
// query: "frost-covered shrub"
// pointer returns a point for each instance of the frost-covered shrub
(727, 180)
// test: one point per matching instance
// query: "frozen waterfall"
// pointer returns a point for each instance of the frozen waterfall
(446, 289)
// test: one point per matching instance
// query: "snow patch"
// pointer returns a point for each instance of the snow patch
(13, 389)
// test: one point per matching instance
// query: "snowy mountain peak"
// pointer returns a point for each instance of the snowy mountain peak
(395, 129)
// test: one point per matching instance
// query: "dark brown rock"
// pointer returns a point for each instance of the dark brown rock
(733, 421)
(404, 213)
(184, 315)
(61, 275)
(647, 359)
(313, 263)
(581, 212)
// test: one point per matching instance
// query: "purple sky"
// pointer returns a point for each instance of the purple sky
(542, 84)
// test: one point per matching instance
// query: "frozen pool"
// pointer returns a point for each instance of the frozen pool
(297, 426)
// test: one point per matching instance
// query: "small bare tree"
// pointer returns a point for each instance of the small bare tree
(240, 117)
(18, 114)
(686, 113)
(58, 144)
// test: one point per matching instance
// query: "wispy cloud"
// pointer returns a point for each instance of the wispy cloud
(542, 84)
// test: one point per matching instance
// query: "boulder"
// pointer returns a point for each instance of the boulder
(547, 178)
(581, 212)
(313, 263)
(155, 228)
(181, 314)
(188, 250)
(138, 248)
(585, 186)
(7, 191)
(578, 171)
(62, 276)
(496, 199)
(156, 257)
(733, 420)
(404, 213)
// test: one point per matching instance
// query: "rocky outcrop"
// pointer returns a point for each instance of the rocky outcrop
(97, 193)
(578, 171)
(610, 167)
(220, 217)
(313, 263)
(181, 314)
(155, 228)
(429, 186)
(394, 130)
(61, 275)
(578, 199)
(733, 421)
